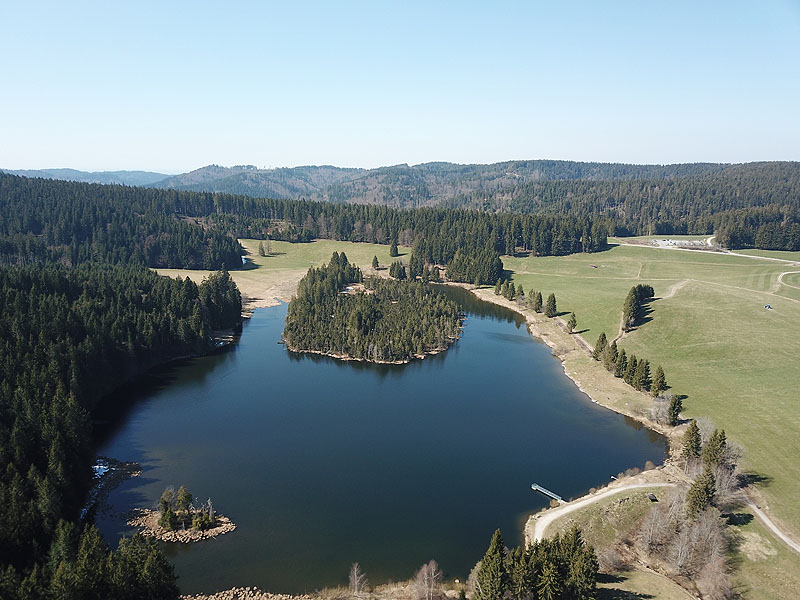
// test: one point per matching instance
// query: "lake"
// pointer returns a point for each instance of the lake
(322, 463)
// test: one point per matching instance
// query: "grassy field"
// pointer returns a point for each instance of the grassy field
(267, 278)
(736, 361)
(794, 256)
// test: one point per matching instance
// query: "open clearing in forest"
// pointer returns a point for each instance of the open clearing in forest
(269, 279)
(708, 328)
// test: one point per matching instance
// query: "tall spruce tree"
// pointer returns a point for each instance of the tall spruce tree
(610, 356)
(674, 411)
(572, 322)
(537, 302)
(621, 364)
(550, 585)
(701, 493)
(551, 308)
(600, 346)
(659, 382)
(691, 442)
(492, 579)
(714, 452)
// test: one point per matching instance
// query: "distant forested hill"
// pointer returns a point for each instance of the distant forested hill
(631, 199)
(121, 177)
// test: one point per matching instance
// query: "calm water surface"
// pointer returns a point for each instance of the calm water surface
(321, 463)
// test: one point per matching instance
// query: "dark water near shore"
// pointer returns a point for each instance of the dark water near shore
(321, 463)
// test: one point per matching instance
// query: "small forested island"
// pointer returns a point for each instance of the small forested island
(180, 519)
(339, 313)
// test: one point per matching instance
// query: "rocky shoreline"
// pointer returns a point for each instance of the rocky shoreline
(147, 521)
(244, 593)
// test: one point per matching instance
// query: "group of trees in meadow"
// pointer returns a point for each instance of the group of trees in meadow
(389, 320)
(69, 336)
(532, 300)
(636, 372)
(685, 531)
(634, 307)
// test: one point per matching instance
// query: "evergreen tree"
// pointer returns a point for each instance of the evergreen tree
(393, 249)
(714, 451)
(630, 370)
(537, 302)
(551, 309)
(183, 499)
(675, 408)
(621, 366)
(610, 356)
(512, 292)
(497, 287)
(600, 346)
(261, 250)
(492, 578)
(375, 263)
(435, 275)
(691, 442)
(701, 493)
(549, 586)
(659, 382)
(572, 322)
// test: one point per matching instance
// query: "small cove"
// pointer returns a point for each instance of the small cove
(322, 463)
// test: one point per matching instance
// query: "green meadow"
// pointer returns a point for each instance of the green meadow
(708, 328)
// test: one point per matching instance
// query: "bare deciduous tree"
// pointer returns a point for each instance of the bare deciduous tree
(358, 580)
(428, 581)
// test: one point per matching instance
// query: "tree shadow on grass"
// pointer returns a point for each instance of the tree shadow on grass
(756, 479)
(616, 593)
(579, 331)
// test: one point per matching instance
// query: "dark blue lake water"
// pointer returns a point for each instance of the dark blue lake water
(321, 463)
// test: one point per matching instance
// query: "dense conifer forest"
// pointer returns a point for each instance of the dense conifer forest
(387, 321)
(68, 336)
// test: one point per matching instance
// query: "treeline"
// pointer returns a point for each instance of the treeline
(769, 228)
(388, 321)
(47, 220)
(79, 564)
(561, 568)
(698, 203)
(68, 336)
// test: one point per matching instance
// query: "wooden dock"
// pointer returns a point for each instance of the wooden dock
(537, 488)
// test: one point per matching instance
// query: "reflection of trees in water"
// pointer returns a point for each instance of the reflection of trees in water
(473, 305)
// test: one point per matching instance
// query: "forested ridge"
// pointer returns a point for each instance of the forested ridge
(387, 321)
(68, 336)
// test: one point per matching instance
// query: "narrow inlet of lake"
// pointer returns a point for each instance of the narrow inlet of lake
(323, 463)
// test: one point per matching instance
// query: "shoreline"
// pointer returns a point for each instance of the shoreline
(147, 523)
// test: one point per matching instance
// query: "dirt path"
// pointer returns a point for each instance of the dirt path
(771, 526)
(781, 282)
(544, 519)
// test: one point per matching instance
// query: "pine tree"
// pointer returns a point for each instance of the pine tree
(714, 452)
(393, 248)
(492, 578)
(183, 499)
(610, 356)
(691, 442)
(497, 288)
(537, 302)
(659, 382)
(551, 309)
(599, 346)
(639, 376)
(512, 292)
(549, 586)
(621, 364)
(375, 263)
(630, 369)
(572, 322)
(675, 408)
(261, 250)
(700, 494)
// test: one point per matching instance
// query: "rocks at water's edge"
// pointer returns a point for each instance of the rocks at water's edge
(147, 521)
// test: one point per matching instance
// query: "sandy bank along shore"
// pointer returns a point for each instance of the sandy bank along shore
(244, 593)
(147, 521)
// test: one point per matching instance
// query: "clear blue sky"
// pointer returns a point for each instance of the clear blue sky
(173, 86)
